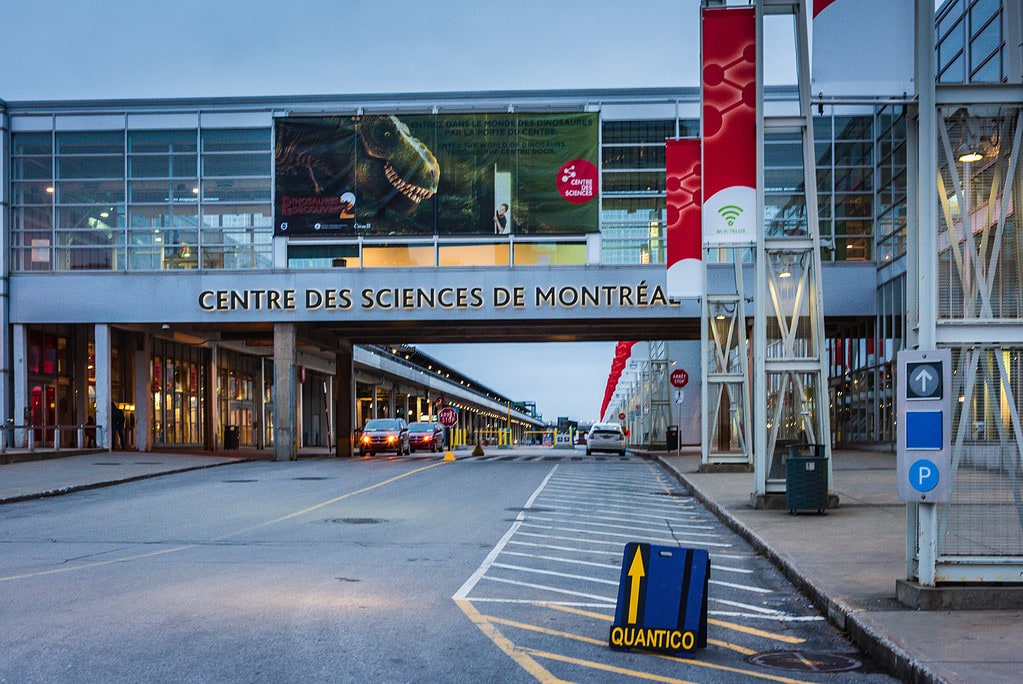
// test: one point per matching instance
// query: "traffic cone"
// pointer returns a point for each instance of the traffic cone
(478, 451)
(449, 455)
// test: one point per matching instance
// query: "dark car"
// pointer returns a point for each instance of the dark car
(384, 434)
(426, 436)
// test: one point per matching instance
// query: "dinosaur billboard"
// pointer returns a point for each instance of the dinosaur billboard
(411, 175)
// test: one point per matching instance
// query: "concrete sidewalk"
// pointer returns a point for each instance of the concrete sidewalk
(848, 562)
(49, 476)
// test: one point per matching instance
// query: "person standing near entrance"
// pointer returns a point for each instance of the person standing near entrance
(117, 418)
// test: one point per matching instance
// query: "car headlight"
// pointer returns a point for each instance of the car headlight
(365, 439)
(391, 439)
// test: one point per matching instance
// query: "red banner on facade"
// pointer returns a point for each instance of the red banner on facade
(729, 91)
(685, 244)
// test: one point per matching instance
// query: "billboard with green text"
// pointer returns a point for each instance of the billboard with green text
(436, 174)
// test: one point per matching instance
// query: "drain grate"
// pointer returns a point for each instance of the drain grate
(805, 661)
(232, 481)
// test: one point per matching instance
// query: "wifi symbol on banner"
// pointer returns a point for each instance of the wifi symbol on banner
(730, 213)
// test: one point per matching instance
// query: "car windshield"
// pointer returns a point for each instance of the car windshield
(382, 424)
(420, 427)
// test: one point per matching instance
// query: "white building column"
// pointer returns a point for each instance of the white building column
(104, 392)
(143, 392)
(285, 401)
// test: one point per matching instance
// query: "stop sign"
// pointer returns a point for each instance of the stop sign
(448, 416)
(621, 416)
(679, 378)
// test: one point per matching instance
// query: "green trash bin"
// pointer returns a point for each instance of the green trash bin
(806, 478)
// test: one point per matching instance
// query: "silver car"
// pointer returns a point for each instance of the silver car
(606, 437)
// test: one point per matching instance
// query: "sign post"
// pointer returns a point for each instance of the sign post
(924, 461)
(679, 378)
(448, 417)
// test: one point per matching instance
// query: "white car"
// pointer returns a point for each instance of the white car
(606, 437)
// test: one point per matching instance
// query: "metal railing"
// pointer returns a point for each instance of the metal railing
(30, 436)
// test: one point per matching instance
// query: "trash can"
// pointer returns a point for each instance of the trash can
(231, 438)
(671, 438)
(806, 478)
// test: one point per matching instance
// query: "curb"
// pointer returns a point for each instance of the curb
(875, 644)
(110, 483)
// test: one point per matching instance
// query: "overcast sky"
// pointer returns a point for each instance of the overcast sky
(83, 49)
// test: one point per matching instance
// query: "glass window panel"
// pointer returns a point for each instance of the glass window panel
(163, 191)
(985, 43)
(90, 167)
(90, 192)
(849, 204)
(822, 128)
(90, 142)
(163, 216)
(854, 153)
(474, 255)
(31, 168)
(954, 72)
(90, 217)
(983, 10)
(547, 253)
(783, 154)
(236, 164)
(160, 166)
(237, 190)
(236, 215)
(854, 128)
(990, 71)
(32, 143)
(31, 192)
(374, 256)
(633, 182)
(32, 218)
(783, 180)
(236, 140)
(856, 178)
(162, 141)
(644, 157)
(638, 131)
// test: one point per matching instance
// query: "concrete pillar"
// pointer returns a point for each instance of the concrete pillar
(344, 400)
(104, 391)
(212, 418)
(143, 392)
(285, 401)
(19, 348)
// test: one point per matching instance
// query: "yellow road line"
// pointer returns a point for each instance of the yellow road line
(639, 674)
(502, 642)
(756, 632)
(125, 559)
(609, 618)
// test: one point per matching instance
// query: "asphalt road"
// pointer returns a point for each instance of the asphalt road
(501, 568)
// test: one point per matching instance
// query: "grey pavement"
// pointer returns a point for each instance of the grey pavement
(847, 561)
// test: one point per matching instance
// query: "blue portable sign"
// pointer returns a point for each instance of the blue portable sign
(662, 600)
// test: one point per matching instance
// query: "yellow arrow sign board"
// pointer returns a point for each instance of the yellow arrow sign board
(662, 600)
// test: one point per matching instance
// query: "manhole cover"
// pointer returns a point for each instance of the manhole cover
(804, 661)
(239, 481)
(310, 478)
(355, 521)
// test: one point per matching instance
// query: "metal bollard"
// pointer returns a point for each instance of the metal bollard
(81, 436)
(56, 437)
(31, 439)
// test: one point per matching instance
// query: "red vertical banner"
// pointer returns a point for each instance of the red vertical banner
(685, 244)
(729, 90)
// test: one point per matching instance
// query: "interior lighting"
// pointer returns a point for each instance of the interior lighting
(50, 190)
